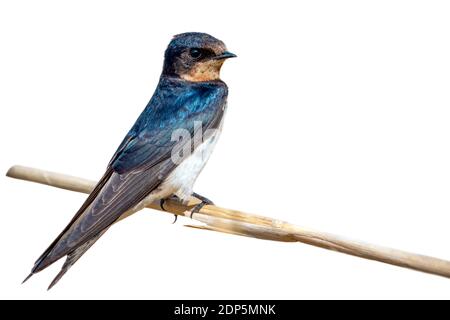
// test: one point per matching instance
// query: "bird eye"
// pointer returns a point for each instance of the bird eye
(195, 53)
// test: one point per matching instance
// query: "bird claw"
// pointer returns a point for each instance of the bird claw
(161, 204)
(197, 208)
(204, 201)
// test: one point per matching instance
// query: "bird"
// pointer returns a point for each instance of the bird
(161, 156)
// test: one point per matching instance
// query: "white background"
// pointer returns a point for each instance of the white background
(338, 120)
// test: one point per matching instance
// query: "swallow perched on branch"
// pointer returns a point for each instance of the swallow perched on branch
(163, 153)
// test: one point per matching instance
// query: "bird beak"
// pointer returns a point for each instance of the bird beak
(225, 55)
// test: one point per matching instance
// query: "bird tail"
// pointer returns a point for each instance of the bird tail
(49, 256)
(71, 258)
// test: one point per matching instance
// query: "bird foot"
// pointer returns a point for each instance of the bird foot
(204, 201)
(161, 204)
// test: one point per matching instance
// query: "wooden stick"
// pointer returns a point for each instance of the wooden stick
(244, 224)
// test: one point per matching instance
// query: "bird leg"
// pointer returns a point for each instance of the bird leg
(204, 201)
(162, 201)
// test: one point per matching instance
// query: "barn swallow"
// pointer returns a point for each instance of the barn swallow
(143, 169)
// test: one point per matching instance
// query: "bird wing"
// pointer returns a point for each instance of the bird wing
(139, 165)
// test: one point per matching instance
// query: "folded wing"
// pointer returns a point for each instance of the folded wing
(139, 165)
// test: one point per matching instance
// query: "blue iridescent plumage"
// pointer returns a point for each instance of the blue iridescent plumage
(176, 104)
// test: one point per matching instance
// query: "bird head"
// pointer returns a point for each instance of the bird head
(195, 56)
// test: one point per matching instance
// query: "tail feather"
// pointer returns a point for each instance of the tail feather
(49, 256)
(72, 258)
(28, 277)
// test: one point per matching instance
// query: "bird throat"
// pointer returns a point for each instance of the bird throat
(203, 71)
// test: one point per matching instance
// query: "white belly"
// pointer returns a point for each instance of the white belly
(183, 177)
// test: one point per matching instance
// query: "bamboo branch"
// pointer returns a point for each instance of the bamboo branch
(244, 224)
